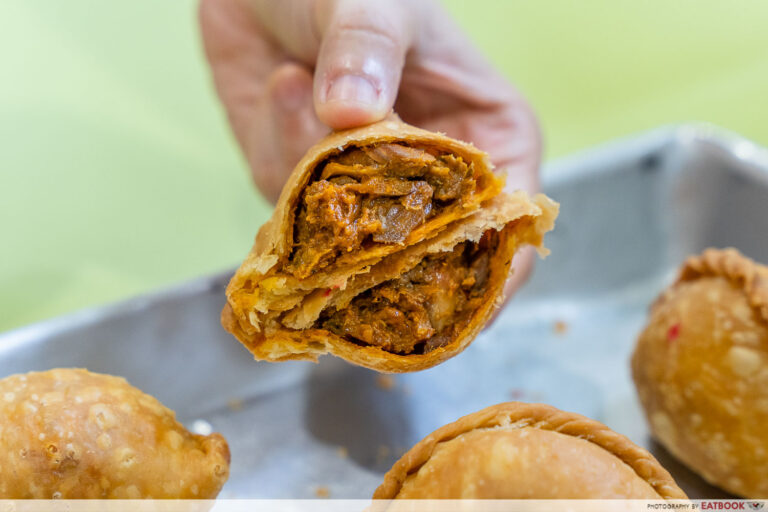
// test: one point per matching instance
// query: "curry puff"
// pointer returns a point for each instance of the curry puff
(69, 433)
(389, 247)
(701, 370)
(527, 451)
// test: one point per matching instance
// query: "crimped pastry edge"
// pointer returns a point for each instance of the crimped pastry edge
(542, 416)
(738, 269)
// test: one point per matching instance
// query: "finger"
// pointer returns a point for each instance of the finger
(293, 24)
(290, 129)
(519, 148)
(522, 266)
(508, 132)
(283, 126)
(360, 61)
(294, 115)
(519, 159)
(241, 59)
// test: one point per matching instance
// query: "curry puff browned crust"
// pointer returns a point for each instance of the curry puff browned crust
(389, 247)
(69, 433)
(527, 451)
(701, 370)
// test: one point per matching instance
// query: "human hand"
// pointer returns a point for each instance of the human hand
(288, 71)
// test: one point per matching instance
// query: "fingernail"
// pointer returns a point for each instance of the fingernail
(353, 88)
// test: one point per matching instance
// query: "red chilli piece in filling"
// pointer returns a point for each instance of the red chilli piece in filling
(673, 333)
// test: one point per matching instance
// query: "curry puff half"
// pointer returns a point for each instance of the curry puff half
(389, 247)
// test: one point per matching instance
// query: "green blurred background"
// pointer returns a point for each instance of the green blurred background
(118, 173)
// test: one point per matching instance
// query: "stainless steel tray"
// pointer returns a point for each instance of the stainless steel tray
(631, 212)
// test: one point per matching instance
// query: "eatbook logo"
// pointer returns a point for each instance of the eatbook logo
(731, 505)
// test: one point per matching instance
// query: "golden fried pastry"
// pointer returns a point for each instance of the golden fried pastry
(527, 451)
(701, 370)
(69, 433)
(389, 247)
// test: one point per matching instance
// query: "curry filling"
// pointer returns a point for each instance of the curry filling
(373, 195)
(423, 309)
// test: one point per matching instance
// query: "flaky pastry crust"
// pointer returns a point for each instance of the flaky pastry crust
(69, 433)
(274, 313)
(701, 370)
(520, 450)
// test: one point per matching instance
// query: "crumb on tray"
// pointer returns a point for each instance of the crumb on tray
(386, 382)
(560, 327)
(235, 404)
(322, 491)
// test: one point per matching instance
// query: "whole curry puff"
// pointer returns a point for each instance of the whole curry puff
(389, 247)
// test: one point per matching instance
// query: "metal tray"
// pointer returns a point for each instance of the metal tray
(631, 212)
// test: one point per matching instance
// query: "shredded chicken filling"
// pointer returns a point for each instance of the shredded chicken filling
(422, 309)
(373, 194)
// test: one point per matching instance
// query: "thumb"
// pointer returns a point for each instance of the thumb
(360, 61)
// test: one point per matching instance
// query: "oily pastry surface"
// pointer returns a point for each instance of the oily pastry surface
(517, 450)
(372, 228)
(701, 370)
(543, 462)
(70, 433)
